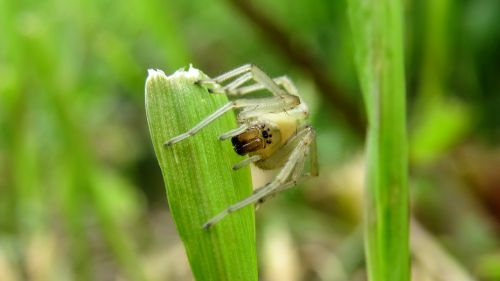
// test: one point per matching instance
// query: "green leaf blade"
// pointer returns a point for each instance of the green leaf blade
(198, 176)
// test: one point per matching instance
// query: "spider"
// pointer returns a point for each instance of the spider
(273, 131)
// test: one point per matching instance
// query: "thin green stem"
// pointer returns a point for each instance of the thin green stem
(377, 30)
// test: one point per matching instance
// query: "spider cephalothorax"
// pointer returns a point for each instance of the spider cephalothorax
(273, 130)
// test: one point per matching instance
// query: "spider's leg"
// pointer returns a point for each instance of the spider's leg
(286, 186)
(234, 132)
(246, 161)
(290, 104)
(314, 170)
(296, 156)
(215, 87)
(287, 84)
(282, 81)
(299, 111)
(216, 114)
(245, 73)
(271, 103)
(229, 88)
(298, 175)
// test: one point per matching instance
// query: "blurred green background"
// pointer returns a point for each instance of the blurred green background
(81, 194)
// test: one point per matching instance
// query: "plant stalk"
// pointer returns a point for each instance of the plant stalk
(378, 36)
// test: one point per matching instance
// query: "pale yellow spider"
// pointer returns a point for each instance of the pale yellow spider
(273, 131)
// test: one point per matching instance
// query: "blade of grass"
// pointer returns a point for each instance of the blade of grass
(199, 179)
(378, 39)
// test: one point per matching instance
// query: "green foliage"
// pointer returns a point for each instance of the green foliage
(81, 193)
(199, 179)
(378, 37)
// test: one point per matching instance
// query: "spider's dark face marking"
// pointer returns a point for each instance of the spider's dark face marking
(253, 139)
(248, 141)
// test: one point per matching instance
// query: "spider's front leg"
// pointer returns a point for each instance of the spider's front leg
(287, 177)
(270, 104)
